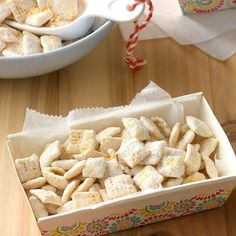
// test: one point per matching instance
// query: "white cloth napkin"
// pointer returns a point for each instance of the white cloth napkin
(221, 47)
(195, 28)
(214, 33)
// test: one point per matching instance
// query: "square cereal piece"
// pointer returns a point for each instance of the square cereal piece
(148, 178)
(156, 150)
(13, 49)
(31, 43)
(113, 168)
(17, 33)
(4, 11)
(50, 42)
(110, 143)
(132, 152)
(37, 207)
(38, 17)
(7, 36)
(136, 128)
(20, 8)
(81, 140)
(119, 185)
(64, 9)
(47, 197)
(94, 167)
(108, 132)
(171, 166)
(83, 199)
(28, 168)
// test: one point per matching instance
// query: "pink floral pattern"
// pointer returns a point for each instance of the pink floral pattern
(142, 216)
(201, 6)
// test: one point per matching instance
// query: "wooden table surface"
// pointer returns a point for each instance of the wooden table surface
(101, 79)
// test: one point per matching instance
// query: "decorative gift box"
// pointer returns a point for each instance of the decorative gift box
(205, 6)
(140, 208)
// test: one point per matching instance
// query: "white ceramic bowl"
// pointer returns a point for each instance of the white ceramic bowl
(38, 64)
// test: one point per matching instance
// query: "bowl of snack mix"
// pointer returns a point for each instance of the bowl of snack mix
(24, 54)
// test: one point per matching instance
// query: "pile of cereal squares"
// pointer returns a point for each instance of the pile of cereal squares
(50, 13)
(89, 168)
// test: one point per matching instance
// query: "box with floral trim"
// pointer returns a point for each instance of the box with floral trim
(140, 208)
(205, 6)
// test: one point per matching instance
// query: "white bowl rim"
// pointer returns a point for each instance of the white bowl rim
(39, 55)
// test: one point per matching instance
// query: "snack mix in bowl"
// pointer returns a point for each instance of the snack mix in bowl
(40, 13)
(145, 154)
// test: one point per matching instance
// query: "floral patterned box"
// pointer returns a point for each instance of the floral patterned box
(205, 6)
(140, 208)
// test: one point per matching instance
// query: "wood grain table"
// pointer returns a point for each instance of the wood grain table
(101, 79)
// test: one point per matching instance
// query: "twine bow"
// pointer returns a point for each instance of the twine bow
(131, 60)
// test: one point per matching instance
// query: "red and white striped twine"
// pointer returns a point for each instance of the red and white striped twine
(131, 61)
